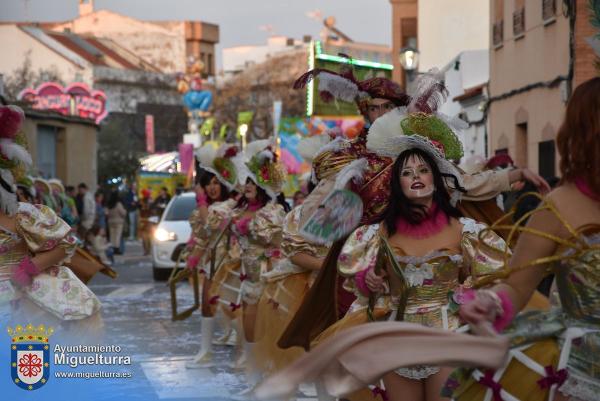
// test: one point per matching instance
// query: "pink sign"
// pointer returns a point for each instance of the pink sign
(186, 156)
(76, 100)
(149, 122)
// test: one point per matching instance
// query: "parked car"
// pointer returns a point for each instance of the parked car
(172, 234)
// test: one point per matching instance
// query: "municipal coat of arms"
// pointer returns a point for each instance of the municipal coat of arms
(30, 355)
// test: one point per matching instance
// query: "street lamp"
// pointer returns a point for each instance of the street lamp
(243, 130)
(409, 59)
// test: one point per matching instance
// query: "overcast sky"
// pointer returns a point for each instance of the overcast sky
(240, 21)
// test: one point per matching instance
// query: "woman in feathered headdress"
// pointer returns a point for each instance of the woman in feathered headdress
(414, 265)
(350, 164)
(221, 292)
(287, 283)
(257, 219)
(35, 243)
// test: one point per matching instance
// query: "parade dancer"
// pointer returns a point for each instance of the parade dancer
(286, 285)
(338, 162)
(257, 220)
(208, 221)
(427, 252)
(35, 244)
(554, 355)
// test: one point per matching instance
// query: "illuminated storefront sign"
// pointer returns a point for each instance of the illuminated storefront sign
(76, 100)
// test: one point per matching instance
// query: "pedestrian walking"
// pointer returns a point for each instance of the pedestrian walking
(131, 203)
(116, 218)
(87, 213)
(162, 200)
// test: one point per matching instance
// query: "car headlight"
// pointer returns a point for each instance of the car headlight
(163, 235)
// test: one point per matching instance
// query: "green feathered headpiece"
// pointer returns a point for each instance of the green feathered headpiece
(437, 131)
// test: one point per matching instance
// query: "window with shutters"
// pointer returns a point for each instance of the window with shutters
(498, 25)
(548, 11)
(519, 19)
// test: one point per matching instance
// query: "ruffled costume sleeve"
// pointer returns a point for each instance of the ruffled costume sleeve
(266, 226)
(219, 215)
(42, 230)
(329, 161)
(358, 255)
(483, 254)
(486, 184)
(293, 243)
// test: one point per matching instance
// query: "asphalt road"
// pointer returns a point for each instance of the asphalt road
(137, 316)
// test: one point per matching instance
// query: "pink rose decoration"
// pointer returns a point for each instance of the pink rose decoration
(273, 253)
(24, 273)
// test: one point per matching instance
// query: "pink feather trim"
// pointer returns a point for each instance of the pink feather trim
(435, 221)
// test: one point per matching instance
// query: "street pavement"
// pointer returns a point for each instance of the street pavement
(137, 316)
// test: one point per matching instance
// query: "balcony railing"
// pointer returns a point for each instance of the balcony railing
(519, 23)
(498, 33)
(548, 10)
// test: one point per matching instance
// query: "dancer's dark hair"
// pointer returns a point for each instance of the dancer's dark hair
(400, 206)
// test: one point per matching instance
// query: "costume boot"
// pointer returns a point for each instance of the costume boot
(225, 323)
(204, 358)
(253, 374)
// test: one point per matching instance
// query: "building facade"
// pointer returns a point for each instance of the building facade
(166, 44)
(529, 81)
(439, 30)
(64, 147)
(466, 77)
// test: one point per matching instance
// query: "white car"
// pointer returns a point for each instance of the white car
(172, 234)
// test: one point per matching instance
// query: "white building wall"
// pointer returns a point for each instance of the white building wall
(18, 45)
(124, 89)
(466, 71)
(238, 58)
(448, 27)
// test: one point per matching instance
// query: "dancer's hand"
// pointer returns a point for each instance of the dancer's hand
(375, 282)
(524, 174)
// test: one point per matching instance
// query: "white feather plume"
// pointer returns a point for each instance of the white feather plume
(430, 92)
(264, 155)
(341, 88)
(242, 171)
(384, 131)
(308, 147)
(256, 146)
(206, 155)
(352, 172)
(333, 146)
(455, 123)
(14, 152)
